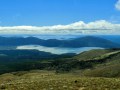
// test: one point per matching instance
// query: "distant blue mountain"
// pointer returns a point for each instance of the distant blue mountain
(87, 41)
(113, 38)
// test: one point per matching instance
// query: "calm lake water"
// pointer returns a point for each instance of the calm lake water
(56, 50)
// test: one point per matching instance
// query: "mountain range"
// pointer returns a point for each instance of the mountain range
(87, 41)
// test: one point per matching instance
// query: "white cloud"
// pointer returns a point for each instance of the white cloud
(96, 27)
(117, 5)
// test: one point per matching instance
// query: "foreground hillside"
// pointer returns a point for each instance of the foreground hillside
(91, 70)
(44, 80)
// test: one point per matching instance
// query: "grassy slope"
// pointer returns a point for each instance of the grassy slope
(109, 68)
(87, 55)
(44, 80)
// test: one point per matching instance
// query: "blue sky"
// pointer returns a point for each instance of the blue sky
(53, 12)
(60, 17)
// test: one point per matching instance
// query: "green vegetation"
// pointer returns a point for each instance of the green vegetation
(90, 70)
(99, 63)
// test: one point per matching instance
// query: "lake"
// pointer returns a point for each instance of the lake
(56, 50)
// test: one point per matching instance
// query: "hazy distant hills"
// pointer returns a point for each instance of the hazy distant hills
(87, 41)
(113, 38)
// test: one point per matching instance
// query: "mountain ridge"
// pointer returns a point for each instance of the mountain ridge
(87, 41)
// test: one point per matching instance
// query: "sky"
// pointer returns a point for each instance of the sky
(59, 16)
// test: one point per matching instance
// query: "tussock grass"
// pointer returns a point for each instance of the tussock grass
(48, 80)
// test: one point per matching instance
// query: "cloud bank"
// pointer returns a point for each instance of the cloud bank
(117, 5)
(96, 27)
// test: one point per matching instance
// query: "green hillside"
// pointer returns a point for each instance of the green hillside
(91, 70)
(106, 63)
(99, 63)
(87, 55)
